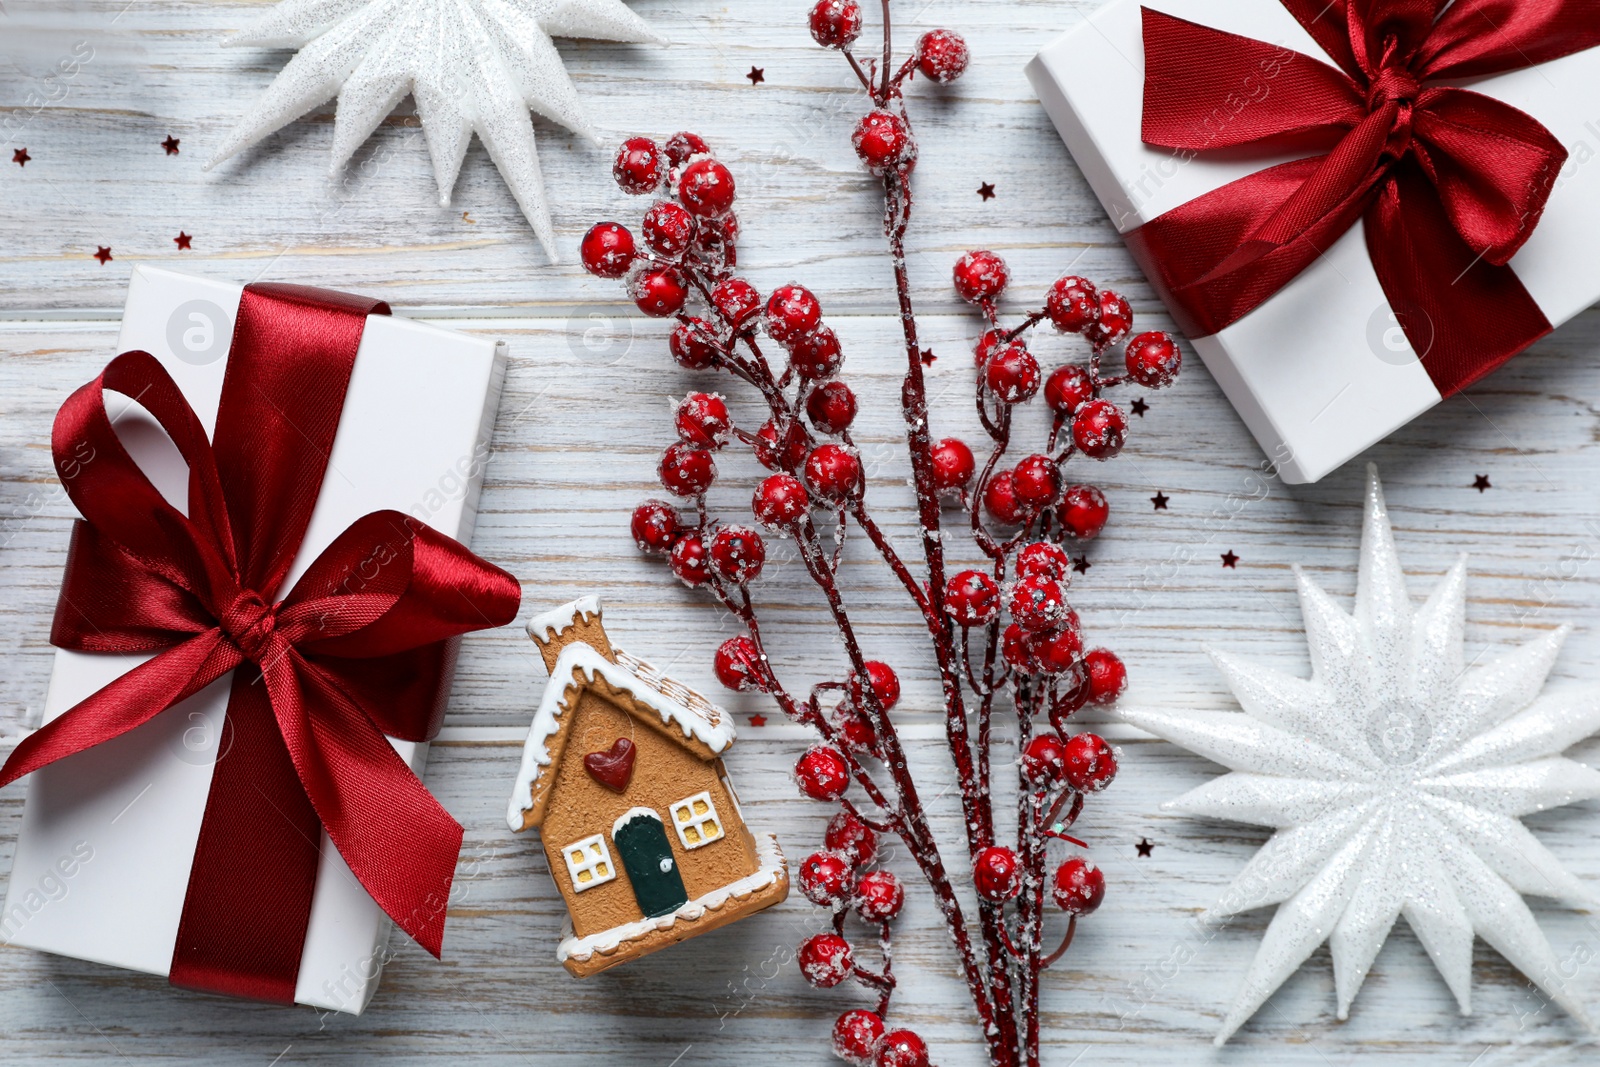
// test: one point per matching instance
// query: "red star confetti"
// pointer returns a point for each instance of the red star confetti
(1144, 846)
(1160, 500)
(928, 357)
(986, 190)
(1229, 559)
(103, 254)
(183, 240)
(171, 145)
(757, 75)
(20, 157)
(1139, 407)
(1081, 564)
(758, 720)
(1481, 482)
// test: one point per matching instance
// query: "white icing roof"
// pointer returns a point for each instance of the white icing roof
(677, 705)
(560, 620)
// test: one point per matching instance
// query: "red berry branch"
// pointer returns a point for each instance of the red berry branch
(1001, 632)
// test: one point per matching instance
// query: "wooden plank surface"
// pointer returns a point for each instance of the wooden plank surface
(583, 419)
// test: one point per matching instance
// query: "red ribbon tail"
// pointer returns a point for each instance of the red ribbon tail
(130, 701)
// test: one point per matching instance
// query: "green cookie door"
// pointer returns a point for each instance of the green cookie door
(646, 855)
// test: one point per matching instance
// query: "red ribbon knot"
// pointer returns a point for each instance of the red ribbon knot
(250, 623)
(1449, 183)
(358, 651)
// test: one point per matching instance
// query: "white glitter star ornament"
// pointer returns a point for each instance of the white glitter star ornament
(473, 66)
(1394, 779)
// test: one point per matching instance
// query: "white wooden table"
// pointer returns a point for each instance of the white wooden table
(583, 419)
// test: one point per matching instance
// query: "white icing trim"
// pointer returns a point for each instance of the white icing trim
(716, 736)
(631, 814)
(606, 941)
(560, 620)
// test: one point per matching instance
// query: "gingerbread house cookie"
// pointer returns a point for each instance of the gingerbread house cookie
(622, 776)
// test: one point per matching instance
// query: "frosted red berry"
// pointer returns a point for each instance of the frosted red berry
(1089, 763)
(1012, 374)
(1078, 886)
(997, 874)
(834, 472)
(836, 23)
(879, 896)
(1016, 649)
(1056, 651)
(682, 145)
(825, 960)
(900, 1048)
(972, 598)
(1083, 511)
(706, 188)
(849, 834)
(1153, 359)
(780, 502)
(1044, 758)
(831, 407)
(655, 526)
(687, 470)
(737, 301)
(883, 142)
(816, 354)
(607, 250)
(1107, 676)
(1112, 321)
(857, 1033)
(690, 562)
(825, 879)
(822, 773)
(659, 291)
(1044, 559)
(792, 312)
(1073, 304)
(1099, 429)
(1037, 481)
(668, 229)
(639, 167)
(979, 276)
(885, 685)
(856, 732)
(1000, 499)
(702, 420)
(691, 344)
(990, 342)
(1068, 387)
(942, 55)
(1037, 604)
(738, 553)
(953, 465)
(795, 446)
(737, 665)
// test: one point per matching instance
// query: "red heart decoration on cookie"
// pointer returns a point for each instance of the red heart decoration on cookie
(613, 769)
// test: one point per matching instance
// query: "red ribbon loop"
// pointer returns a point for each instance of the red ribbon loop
(358, 649)
(1450, 183)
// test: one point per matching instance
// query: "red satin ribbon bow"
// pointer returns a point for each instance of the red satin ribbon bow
(357, 649)
(1450, 182)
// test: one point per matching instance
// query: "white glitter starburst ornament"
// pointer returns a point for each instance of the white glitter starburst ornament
(1394, 779)
(472, 66)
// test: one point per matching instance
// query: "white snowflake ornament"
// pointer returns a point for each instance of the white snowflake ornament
(473, 66)
(1394, 779)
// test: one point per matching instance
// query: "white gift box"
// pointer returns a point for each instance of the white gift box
(1321, 370)
(108, 835)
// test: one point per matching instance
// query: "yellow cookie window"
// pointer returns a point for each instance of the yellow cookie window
(589, 863)
(695, 819)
